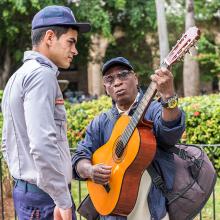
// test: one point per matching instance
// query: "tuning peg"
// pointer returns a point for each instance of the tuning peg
(196, 47)
(181, 58)
(190, 53)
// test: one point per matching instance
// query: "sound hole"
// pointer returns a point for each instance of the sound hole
(119, 148)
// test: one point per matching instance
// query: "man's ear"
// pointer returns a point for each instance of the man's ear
(136, 79)
(106, 91)
(49, 37)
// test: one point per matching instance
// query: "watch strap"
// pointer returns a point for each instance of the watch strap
(171, 102)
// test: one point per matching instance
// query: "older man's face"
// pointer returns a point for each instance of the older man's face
(121, 84)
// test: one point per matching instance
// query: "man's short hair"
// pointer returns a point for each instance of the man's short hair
(38, 34)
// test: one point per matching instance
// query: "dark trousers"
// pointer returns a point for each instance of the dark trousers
(31, 203)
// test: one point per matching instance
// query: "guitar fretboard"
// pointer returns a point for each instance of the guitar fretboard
(138, 114)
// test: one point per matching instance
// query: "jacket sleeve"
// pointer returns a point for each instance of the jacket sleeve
(39, 104)
(166, 133)
(87, 146)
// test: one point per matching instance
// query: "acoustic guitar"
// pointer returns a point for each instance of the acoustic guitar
(131, 147)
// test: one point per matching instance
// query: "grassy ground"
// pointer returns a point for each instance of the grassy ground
(207, 212)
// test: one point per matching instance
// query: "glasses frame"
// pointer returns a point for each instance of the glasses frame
(119, 76)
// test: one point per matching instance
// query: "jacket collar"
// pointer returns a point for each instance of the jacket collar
(115, 112)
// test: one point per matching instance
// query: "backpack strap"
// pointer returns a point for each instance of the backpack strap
(157, 179)
(179, 152)
(159, 182)
(183, 154)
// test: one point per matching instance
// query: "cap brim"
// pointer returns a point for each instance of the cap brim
(114, 63)
(82, 27)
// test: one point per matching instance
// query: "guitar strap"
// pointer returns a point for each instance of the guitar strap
(158, 181)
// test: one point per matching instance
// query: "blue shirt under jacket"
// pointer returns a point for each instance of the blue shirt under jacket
(167, 133)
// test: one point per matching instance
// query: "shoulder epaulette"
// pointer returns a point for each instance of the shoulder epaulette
(43, 62)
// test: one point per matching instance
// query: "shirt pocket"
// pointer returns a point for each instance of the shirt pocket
(61, 122)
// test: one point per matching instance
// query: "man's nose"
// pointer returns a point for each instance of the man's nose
(74, 50)
(117, 81)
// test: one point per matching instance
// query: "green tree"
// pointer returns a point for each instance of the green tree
(162, 29)
(115, 22)
(191, 74)
(207, 18)
(16, 16)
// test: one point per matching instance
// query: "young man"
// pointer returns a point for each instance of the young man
(34, 144)
(121, 84)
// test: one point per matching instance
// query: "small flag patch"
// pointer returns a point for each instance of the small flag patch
(59, 102)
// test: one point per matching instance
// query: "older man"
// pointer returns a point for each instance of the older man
(121, 84)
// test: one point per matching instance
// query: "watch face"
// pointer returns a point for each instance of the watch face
(172, 103)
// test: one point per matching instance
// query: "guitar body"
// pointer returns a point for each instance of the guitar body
(127, 170)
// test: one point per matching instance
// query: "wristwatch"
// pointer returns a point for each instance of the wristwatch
(170, 103)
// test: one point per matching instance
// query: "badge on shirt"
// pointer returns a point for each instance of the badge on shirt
(59, 102)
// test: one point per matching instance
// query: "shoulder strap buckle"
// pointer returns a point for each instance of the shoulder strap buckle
(183, 154)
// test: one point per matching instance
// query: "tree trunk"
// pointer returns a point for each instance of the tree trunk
(162, 29)
(191, 75)
(4, 73)
(152, 41)
(97, 51)
(98, 47)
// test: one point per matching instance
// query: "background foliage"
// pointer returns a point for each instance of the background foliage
(137, 19)
(203, 123)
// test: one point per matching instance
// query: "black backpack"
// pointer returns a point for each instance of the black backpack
(194, 181)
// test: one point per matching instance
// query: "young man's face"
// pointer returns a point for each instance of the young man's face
(62, 50)
(121, 84)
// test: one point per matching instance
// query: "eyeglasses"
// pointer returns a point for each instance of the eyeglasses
(122, 75)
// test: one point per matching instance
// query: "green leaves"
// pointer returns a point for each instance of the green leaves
(203, 122)
(208, 56)
(120, 4)
(96, 13)
(202, 119)
(80, 115)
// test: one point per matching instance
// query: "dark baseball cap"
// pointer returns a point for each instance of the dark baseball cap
(55, 15)
(121, 61)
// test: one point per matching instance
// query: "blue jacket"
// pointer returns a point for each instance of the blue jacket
(167, 133)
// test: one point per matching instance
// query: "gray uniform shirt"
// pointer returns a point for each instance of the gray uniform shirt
(34, 140)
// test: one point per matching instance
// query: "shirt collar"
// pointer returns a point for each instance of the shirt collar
(34, 55)
(121, 112)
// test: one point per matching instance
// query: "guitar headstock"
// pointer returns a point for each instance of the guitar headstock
(188, 39)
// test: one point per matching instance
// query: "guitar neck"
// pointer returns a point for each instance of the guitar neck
(141, 109)
(182, 46)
